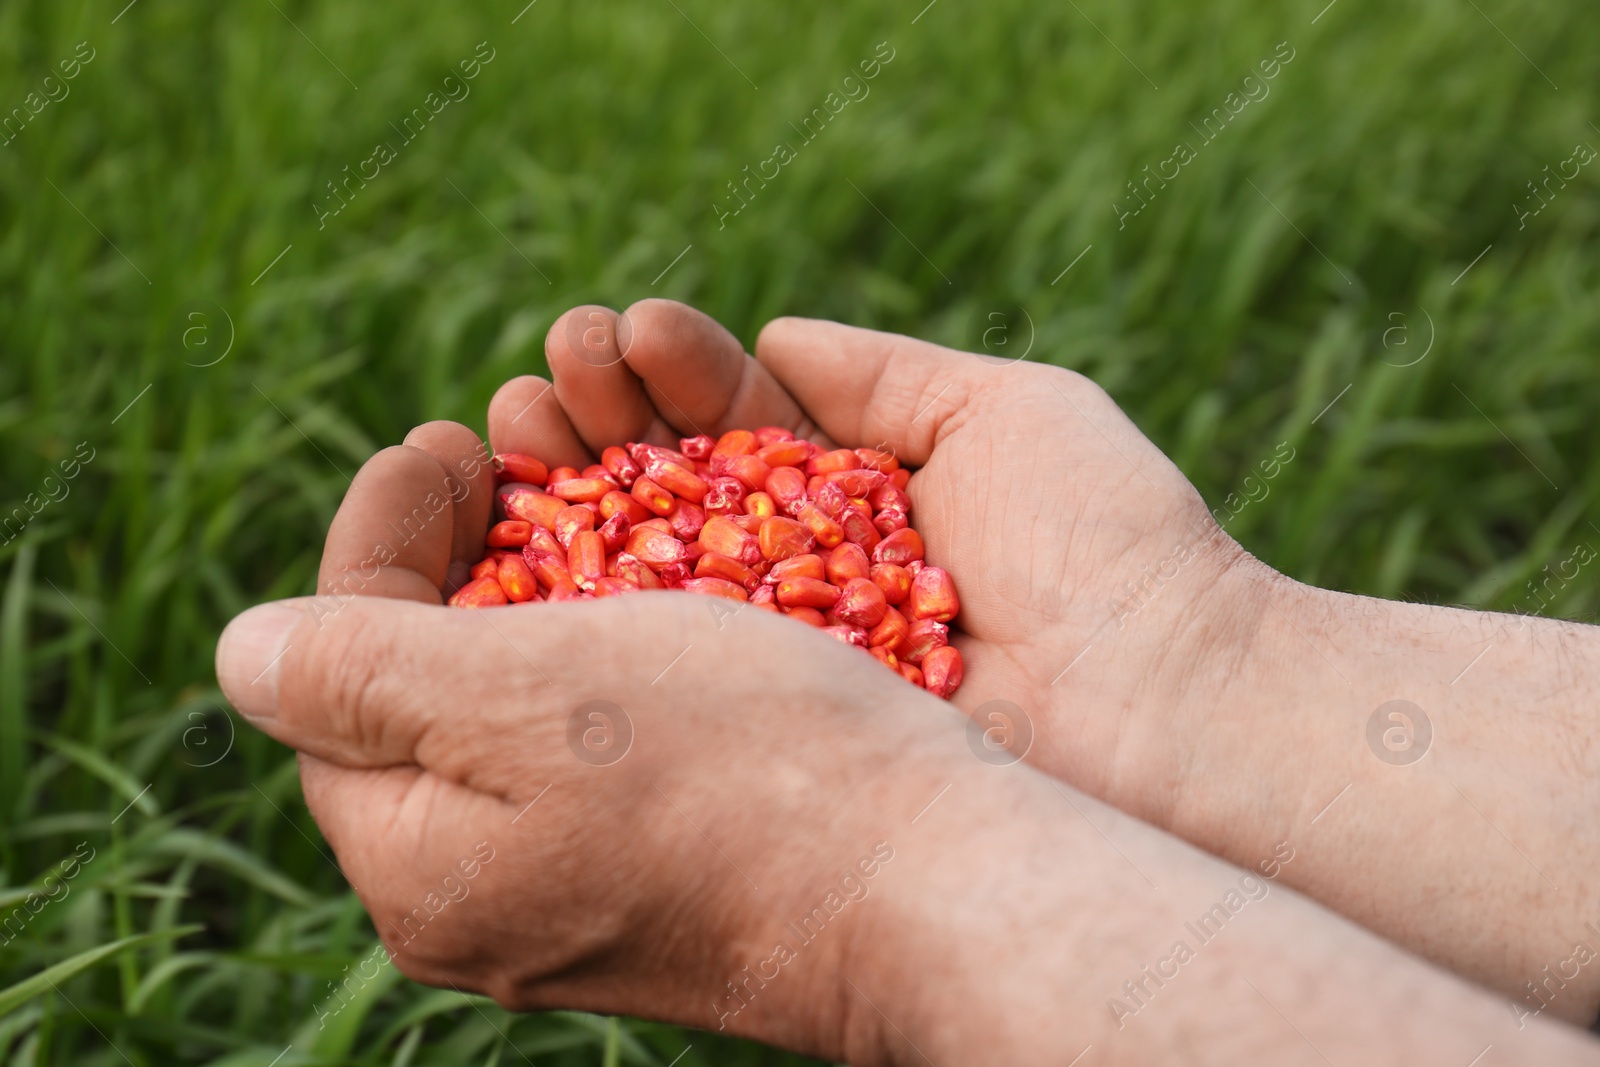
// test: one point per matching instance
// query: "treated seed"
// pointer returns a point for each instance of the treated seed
(809, 616)
(884, 656)
(715, 587)
(807, 593)
(513, 533)
(750, 524)
(859, 529)
(652, 497)
(872, 459)
(827, 532)
(516, 579)
(617, 502)
(516, 467)
(725, 496)
(760, 505)
(933, 595)
(561, 474)
(784, 453)
(923, 637)
(847, 561)
(482, 592)
(544, 541)
(735, 443)
(595, 470)
(642, 454)
(654, 548)
(857, 482)
(722, 534)
(485, 567)
(900, 547)
(687, 519)
(656, 522)
(807, 565)
(570, 522)
(621, 465)
(565, 590)
(911, 673)
(766, 435)
(941, 671)
(549, 567)
(676, 480)
(586, 559)
(861, 604)
(887, 496)
(530, 505)
(673, 575)
(614, 532)
(850, 635)
(832, 500)
(630, 567)
(900, 478)
(716, 565)
(890, 631)
(889, 520)
(840, 459)
(614, 587)
(894, 580)
(581, 490)
(697, 448)
(782, 538)
(787, 487)
(750, 471)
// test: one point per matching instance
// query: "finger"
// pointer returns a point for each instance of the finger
(599, 391)
(393, 534)
(873, 389)
(698, 375)
(526, 417)
(471, 486)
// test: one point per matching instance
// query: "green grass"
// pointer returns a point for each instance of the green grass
(985, 159)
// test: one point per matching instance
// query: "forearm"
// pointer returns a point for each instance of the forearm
(1468, 830)
(1063, 926)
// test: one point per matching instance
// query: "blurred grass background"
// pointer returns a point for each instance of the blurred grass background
(1321, 241)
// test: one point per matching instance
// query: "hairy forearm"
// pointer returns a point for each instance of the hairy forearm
(1440, 767)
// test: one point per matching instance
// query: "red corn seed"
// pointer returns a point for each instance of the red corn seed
(782, 538)
(767, 435)
(675, 480)
(735, 443)
(809, 616)
(630, 568)
(923, 637)
(827, 532)
(596, 470)
(857, 482)
(874, 460)
(814, 484)
(652, 497)
(482, 592)
(673, 575)
(900, 548)
(894, 580)
(654, 548)
(570, 522)
(549, 567)
(859, 529)
(614, 532)
(512, 533)
(716, 565)
(750, 524)
(887, 496)
(890, 631)
(911, 673)
(721, 534)
(565, 590)
(885, 657)
(544, 541)
(687, 520)
(787, 487)
(516, 467)
(581, 490)
(517, 580)
(890, 520)
(763, 597)
(941, 671)
(561, 474)
(900, 478)
(692, 551)
(725, 496)
(530, 505)
(832, 500)
(621, 465)
(861, 604)
(614, 587)
(657, 523)
(760, 505)
(847, 561)
(642, 454)
(586, 559)
(807, 593)
(485, 567)
(784, 453)
(807, 565)
(617, 502)
(850, 635)
(840, 459)
(715, 587)
(697, 448)
(933, 596)
(750, 471)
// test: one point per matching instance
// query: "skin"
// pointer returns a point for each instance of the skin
(1018, 900)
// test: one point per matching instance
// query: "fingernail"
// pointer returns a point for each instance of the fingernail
(250, 656)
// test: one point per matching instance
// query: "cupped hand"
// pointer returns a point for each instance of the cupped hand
(1099, 597)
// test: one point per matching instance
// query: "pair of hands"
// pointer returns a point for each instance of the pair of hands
(765, 758)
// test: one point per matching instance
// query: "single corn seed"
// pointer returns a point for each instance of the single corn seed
(697, 448)
(923, 637)
(784, 453)
(561, 474)
(874, 460)
(621, 465)
(673, 575)
(725, 496)
(787, 487)
(884, 656)
(809, 616)
(894, 580)
(767, 435)
(832, 500)
(911, 673)
(581, 490)
(859, 530)
(652, 497)
(861, 604)
(614, 532)
(485, 567)
(586, 559)
(850, 635)
(687, 520)
(715, 587)
(941, 671)
(807, 565)
(722, 534)
(807, 593)
(716, 565)
(549, 567)
(565, 590)
(482, 592)
(517, 580)
(676, 480)
(933, 596)
(614, 587)
(596, 470)
(890, 631)
(848, 561)
(827, 532)
(530, 505)
(630, 568)
(570, 522)
(765, 598)
(617, 502)
(544, 541)
(887, 496)
(900, 478)
(858, 482)
(900, 547)
(735, 443)
(890, 520)
(760, 505)
(782, 538)
(512, 533)
(516, 467)
(654, 548)
(840, 459)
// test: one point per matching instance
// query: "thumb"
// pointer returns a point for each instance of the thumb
(360, 683)
(873, 389)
